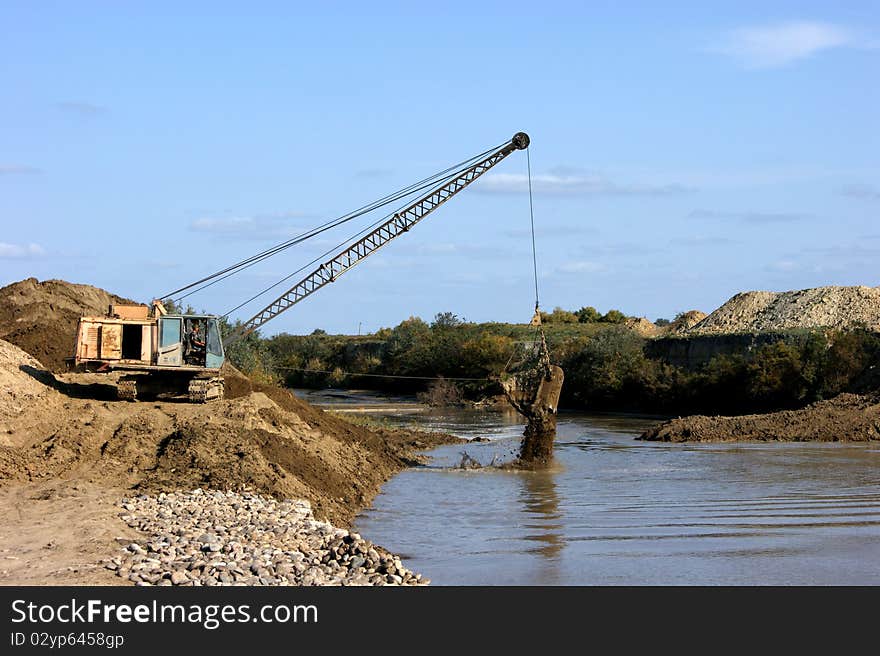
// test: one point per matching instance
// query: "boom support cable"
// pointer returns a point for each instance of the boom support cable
(444, 175)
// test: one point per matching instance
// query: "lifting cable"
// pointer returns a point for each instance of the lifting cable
(443, 177)
(539, 329)
(532, 217)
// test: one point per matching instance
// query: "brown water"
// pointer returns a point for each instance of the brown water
(615, 511)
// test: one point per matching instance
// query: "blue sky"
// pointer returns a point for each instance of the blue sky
(680, 153)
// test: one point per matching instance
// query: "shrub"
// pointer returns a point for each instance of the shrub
(613, 316)
(441, 392)
(588, 314)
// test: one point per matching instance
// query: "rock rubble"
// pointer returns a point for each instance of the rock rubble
(227, 538)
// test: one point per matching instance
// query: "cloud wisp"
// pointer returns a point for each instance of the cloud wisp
(81, 108)
(18, 169)
(275, 226)
(781, 44)
(564, 181)
(861, 191)
(552, 231)
(704, 240)
(748, 217)
(581, 266)
(20, 251)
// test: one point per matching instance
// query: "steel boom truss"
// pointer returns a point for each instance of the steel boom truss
(398, 224)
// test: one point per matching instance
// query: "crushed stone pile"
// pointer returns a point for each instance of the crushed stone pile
(643, 327)
(684, 322)
(209, 538)
(41, 317)
(820, 307)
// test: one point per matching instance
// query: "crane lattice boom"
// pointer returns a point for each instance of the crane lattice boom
(397, 225)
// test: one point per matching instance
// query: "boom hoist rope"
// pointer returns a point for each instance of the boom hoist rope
(438, 178)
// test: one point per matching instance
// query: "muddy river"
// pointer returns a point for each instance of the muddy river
(616, 511)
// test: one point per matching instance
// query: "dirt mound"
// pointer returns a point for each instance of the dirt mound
(41, 317)
(642, 326)
(265, 440)
(845, 418)
(820, 307)
(20, 382)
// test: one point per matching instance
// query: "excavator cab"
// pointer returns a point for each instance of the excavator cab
(154, 351)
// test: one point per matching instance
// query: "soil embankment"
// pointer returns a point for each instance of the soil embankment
(41, 317)
(845, 418)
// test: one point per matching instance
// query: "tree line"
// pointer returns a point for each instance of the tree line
(607, 366)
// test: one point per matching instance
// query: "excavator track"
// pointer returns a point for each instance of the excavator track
(126, 390)
(202, 390)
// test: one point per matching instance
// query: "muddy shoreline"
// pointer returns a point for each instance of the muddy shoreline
(845, 418)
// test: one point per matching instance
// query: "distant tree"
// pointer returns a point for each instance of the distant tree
(613, 316)
(588, 314)
(559, 316)
(662, 322)
(172, 307)
(319, 331)
(446, 320)
(250, 354)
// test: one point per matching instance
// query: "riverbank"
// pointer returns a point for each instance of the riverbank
(845, 418)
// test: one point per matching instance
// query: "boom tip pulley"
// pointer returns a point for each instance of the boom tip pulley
(521, 140)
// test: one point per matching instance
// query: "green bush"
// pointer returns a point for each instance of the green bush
(588, 314)
(613, 316)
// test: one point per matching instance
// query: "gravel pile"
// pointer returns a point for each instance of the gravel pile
(226, 538)
(820, 307)
(684, 322)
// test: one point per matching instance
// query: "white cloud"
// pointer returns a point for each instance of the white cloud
(863, 191)
(784, 265)
(81, 108)
(704, 240)
(228, 224)
(17, 169)
(276, 226)
(582, 266)
(772, 46)
(373, 173)
(567, 182)
(9, 251)
(563, 231)
(748, 217)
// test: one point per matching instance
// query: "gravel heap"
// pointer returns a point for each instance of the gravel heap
(226, 538)
(820, 307)
(684, 322)
(643, 327)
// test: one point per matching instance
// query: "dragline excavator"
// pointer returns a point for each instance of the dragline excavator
(161, 352)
